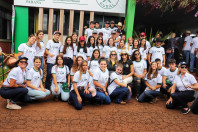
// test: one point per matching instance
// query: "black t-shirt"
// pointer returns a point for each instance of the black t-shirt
(126, 67)
(111, 67)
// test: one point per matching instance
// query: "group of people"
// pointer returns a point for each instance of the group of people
(100, 67)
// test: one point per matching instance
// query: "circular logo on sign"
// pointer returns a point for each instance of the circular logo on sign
(107, 4)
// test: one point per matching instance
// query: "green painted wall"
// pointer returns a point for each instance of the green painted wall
(130, 18)
(21, 26)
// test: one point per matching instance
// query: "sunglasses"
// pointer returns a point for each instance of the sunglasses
(182, 67)
(113, 54)
(137, 54)
(124, 55)
(23, 62)
(99, 39)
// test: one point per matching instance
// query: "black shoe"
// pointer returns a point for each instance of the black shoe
(185, 111)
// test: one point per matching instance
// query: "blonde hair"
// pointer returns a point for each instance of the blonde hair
(172, 35)
(38, 39)
(119, 47)
(128, 45)
(116, 60)
(179, 71)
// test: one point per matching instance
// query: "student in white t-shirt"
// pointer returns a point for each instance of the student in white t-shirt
(28, 50)
(34, 81)
(13, 88)
(135, 46)
(81, 49)
(153, 81)
(187, 45)
(161, 69)
(60, 76)
(157, 52)
(140, 70)
(52, 50)
(100, 80)
(143, 49)
(97, 27)
(88, 31)
(117, 89)
(129, 43)
(75, 39)
(91, 45)
(40, 47)
(192, 52)
(184, 82)
(169, 76)
(112, 25)
(110, 47)
(75, 67)
(143, 36)
(99, 44)
(117, 37)
(68, 52)
(79, 90)
(106, 31)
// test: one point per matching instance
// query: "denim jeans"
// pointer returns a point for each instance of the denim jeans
(64, 95)
(170, 56)
(42, 62)
(103, 98)
(192, 60)
(187, 54)
(15, 94)
(165, 90)
(181, 98)
(74, 101)
(68, 62)
(36, 94)
(148, 94)
(120, 94)
(49, 76)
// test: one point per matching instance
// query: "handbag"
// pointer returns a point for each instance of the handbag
(65, 87)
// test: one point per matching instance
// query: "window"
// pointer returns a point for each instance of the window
(5, 24)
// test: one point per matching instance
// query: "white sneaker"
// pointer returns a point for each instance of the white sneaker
(13, 106)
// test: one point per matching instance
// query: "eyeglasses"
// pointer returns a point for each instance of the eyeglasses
(137, 54)
(113, 54)
(23, 62)
(184, 67)
(124, 55)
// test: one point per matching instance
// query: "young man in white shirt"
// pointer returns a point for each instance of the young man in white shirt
(157, 52)
(193, 53)
(88, 31)
(52, 50)
(97, 27)
(112, 26)
(161, 69)
(106, 31)
(187, 46)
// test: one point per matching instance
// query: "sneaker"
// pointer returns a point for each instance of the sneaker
(13, 106)
(122, 103)
(185, 111)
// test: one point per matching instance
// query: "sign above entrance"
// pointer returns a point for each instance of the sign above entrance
(110, 6)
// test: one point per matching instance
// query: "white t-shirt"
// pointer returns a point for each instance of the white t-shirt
(132, 50)
(157, 52)
(188, 40)
(98, 30)
(69, 52)
(117, 43)
(107, 50)
(106, 33)
(139, 67)
(71, 72)
(148, 45)
(88, 32)
(81, 53)
(100, 47)
(170, 75)
(53, 48)
(114, 28)
(81, 82)
(61, 73)
(93, 65)
(195, 44)
(113, 85)
(143, 52)
(154, 81)
(29, 52)
(181, 83)
(74, 45)
(35, 77)
(162, 71)
(101, 77)
(16, 74)
(91, 49)
(39, 51)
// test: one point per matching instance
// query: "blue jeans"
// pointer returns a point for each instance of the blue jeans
(120, 94)
(74, 101)
(170, 56)
(49, 76)
(103, 98)
(148, 94)
(42, 62)
(181, 98)
(187, 54)
(192, 60)
(165, 90)
(15, 94)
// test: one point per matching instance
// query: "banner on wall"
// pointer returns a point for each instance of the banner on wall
(108, 6)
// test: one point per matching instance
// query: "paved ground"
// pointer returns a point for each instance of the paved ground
(48, 115)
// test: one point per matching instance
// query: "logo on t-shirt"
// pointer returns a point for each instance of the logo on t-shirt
(107, 4)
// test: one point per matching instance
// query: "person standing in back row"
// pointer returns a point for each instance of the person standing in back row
(52, 50)
(88, 31)
(187, 46)
(106, 31)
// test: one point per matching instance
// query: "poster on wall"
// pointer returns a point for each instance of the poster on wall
(109, 6)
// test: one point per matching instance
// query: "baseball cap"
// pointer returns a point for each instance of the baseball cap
(95, 32)
(112, 22)
(107, 22)
(57, 32)
(113, 32)
(81, 38)
(142, 34)
(183, 63)
(20, 58)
